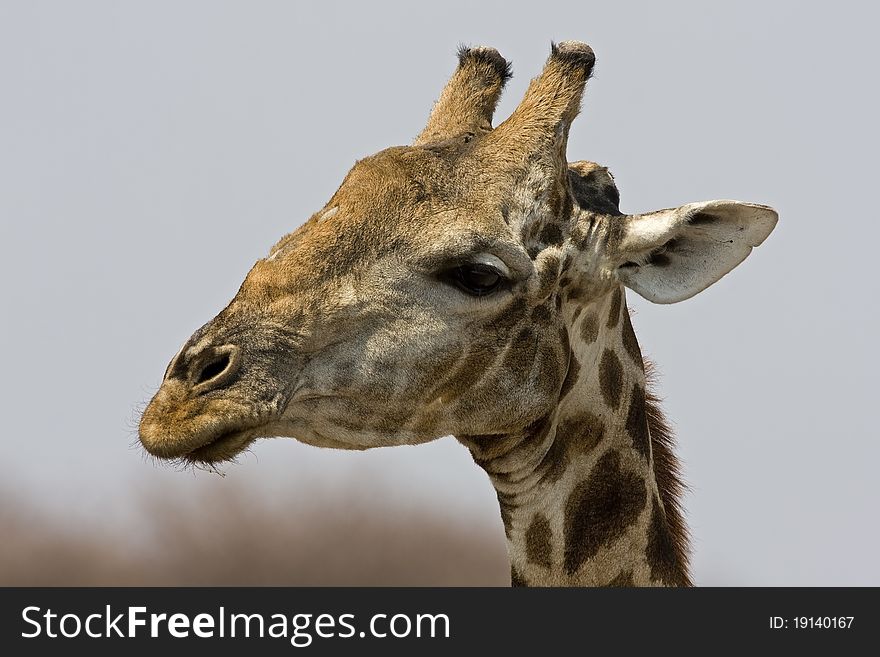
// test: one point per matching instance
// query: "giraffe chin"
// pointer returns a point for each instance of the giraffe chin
(223, 448)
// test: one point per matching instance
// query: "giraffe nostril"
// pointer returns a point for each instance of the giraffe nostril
(207, 369)
(213, 371)
(214, 368)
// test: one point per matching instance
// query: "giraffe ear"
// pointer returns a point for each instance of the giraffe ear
(670, 255)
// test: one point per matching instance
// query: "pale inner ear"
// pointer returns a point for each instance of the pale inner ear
(671, 255)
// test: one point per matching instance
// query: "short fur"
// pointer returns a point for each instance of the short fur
(472, 284)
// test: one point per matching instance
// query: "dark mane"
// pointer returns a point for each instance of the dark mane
(667, 472)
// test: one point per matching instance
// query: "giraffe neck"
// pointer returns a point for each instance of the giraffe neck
(577, 489)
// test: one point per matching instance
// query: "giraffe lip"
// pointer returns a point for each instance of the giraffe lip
(224, 447)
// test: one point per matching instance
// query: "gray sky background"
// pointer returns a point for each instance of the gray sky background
(151, 152)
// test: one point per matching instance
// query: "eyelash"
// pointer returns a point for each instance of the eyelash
(477, 280)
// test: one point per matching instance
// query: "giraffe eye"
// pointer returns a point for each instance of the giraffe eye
(478, 280)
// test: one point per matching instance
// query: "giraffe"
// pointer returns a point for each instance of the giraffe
(473, 284)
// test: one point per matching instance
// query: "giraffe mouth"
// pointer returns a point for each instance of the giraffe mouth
(225, 447)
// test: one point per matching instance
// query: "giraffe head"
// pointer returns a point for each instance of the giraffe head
(433, 294)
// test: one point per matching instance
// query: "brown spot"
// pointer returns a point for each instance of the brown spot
(661, 550)
(582, 432)
(600, 509)
(571, 377)
(583, 229)
(548, 274)
(637, 421)
(547, 369)
(563, 339)
(443, 363)
(555, 461)
(623, 579)
(510, 316)
(590, 328)
(614, 312)
(576, 292)
(630, 343)
(551, 234)
(505, 213)
(539, 538)
(578, 434)
(541, 314)
(467, 374)
(520, 357)
(577, 313)
(659, 260)
(516, 579)
(611, 378)
(343, 375)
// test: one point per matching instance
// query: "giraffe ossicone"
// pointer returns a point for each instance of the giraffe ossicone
(472, 284)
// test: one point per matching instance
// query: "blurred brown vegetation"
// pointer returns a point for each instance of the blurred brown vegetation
(223, 536)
